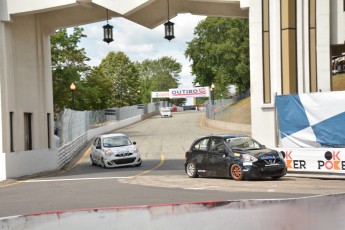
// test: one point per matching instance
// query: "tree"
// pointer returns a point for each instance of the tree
(124, 76)
(68, 65)
(94, 91)
(158, 75)
(220, 53)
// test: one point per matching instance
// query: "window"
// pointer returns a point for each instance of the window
(97, 143)
(48, 127)
(11, 132)
(266, 51)
(28, 131)
(216, 142)
(201, 145)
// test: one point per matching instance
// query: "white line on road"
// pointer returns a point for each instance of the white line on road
(75, 179)
(201, 188)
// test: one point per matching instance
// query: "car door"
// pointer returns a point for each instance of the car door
(199, 155)
(97, 147)
(218, 159)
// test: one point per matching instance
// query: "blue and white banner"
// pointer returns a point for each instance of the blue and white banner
(312, 120)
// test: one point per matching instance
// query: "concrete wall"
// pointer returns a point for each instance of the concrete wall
(228, 126)
(317, 213)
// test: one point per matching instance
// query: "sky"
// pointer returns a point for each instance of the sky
(140, 43)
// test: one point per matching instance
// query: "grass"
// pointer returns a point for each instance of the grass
(338, 82)
(239, 112)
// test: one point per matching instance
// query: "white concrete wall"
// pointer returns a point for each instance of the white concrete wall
(26, 81)
(262, 114)
(317, 213)
(323, 47)
(20, 164)
(337, 22)
(35, 6)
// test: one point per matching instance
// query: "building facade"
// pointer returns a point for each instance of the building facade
(291, 47)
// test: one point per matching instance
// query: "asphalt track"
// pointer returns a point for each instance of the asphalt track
(160, 180)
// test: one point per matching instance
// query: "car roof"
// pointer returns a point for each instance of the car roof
(228, 135)
(113, 135)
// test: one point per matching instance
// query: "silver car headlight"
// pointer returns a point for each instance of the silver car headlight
(107, 152)
(136, 151)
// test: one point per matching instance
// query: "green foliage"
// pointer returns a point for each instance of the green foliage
(68, 65)
(123, 74)
(94, 92)
(220, 53)
(158, 75)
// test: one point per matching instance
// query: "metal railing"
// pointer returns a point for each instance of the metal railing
(70, 124)
(219, 109)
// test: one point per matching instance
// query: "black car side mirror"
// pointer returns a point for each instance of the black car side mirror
(134, 143)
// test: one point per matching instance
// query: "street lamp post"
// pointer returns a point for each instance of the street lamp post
(72, 87)
(212, 96)
(212, 92)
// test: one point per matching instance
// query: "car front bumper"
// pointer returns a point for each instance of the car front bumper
(113, 162)
(254, 171)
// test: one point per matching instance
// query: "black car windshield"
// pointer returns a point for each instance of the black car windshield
(242, 143)
(116, 141)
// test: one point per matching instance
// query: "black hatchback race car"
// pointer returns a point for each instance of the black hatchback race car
(233, 156)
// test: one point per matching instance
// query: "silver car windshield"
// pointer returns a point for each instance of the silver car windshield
(242, 143)
(111, 142)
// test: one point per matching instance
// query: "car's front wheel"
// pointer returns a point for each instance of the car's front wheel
(191, 170)
(236, 172)
(92, 161)
(103, 163)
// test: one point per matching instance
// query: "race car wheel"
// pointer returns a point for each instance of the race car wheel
(103, 163)
(236, 172)
(191, 170)
(92, 161)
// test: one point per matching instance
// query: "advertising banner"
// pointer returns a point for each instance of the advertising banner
(315, 160)
(312, 120)
(189, 92)
(159, 94)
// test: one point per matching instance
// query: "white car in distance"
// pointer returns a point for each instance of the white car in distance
(114, 150)
(165, 112)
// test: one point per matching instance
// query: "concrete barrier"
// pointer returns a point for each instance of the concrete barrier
(314, 213)
(228, 126)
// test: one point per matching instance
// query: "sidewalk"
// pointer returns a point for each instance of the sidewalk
(325, 176)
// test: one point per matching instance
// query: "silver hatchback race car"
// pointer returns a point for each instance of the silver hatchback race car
(114, 150)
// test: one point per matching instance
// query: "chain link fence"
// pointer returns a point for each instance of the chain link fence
(220, 109)
(70, 124)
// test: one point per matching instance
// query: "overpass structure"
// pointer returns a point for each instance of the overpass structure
(291, 45)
